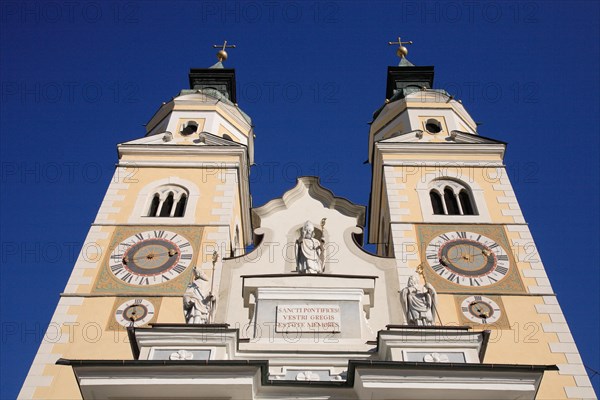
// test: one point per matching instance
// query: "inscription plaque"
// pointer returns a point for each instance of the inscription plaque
(308, 318)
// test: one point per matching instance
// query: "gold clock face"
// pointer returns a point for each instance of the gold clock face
(151, 258)
(467, 258)
(136, 312)
(481, 309)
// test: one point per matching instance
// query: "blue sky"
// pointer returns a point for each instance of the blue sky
(79, 77)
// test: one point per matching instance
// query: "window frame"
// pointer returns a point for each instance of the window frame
(438, 183)
(145, 196)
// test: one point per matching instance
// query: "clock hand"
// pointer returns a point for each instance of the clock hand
(482, 314)
(466, 257)
(171, 253)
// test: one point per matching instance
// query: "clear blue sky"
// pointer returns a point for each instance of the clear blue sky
(78, 78)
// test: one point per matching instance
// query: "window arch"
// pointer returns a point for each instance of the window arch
(466, 203)
(450, 197)
(450, 200)
(168, 201)
(154, 205)
(180, 208)
(436, 202)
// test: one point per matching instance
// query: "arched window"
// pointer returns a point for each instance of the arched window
(436, 202)
(168, 201)
(456, 198)
(165, 211)
(465, 203)
(154, 205)
(180, 208)
(450, 200)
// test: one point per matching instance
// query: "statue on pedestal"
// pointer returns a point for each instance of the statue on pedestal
(419, 302)
(198, 300)
(309, 251)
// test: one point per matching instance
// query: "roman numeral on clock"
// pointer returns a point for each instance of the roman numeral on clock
(462, 235)
(179, 268)
(501, 270)
(474, 282)
(134, 256)
(116, 269)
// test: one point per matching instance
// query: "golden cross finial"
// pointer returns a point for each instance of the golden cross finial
(402, 51)
(222, 54)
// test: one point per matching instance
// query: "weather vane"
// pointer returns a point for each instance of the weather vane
(402, 51)
(222, 54)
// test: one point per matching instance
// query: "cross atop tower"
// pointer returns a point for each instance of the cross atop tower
(222, 54)
(402, 51)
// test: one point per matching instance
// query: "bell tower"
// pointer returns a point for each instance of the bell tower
(179, 200)
(443, 206)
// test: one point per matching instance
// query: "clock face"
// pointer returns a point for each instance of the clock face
(481, 309)
(151, 257)
(467, 258)
(136, 311)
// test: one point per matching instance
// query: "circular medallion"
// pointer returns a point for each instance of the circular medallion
(136, 311)
(467, 258)
(150, 258)
(481, 309)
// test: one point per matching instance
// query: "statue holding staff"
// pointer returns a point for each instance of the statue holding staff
(309, 251)
(419, 302)
(197, 299)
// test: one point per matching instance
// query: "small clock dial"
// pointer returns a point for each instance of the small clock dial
(467, 258)
(136, 311)
(481, 309)
(151, 257)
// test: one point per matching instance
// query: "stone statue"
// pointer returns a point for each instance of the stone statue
(197, 304)
(309, 251)
(419, 302)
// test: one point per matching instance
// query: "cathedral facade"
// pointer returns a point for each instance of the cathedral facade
(454, 304)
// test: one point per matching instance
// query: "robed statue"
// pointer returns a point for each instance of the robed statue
(309, 251)
(197, 300)
(419, 302)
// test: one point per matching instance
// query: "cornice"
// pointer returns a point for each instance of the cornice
(441, 148)
(183, 150)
